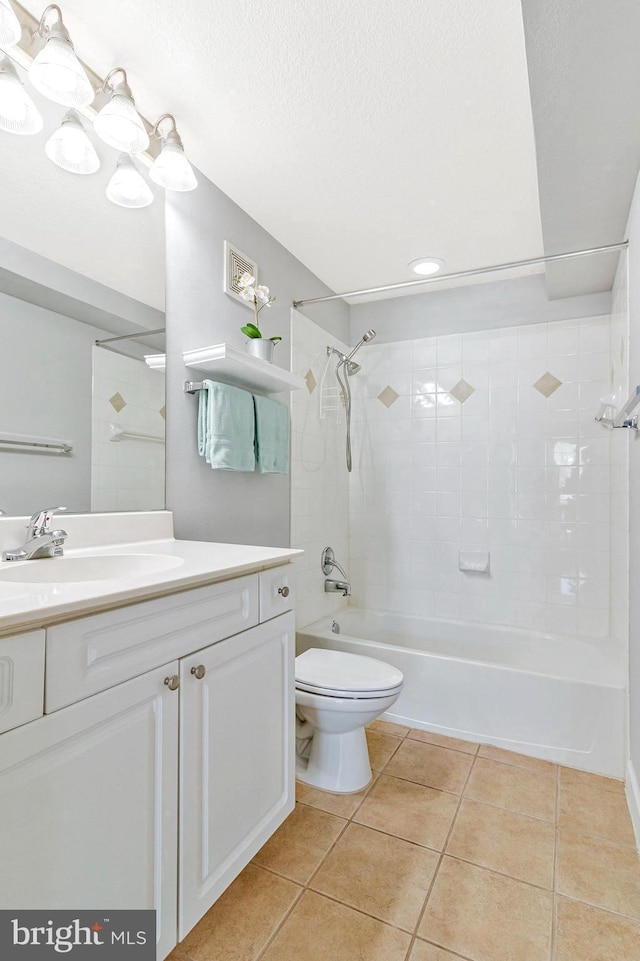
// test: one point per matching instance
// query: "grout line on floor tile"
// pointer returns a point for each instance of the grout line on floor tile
(279, 926)
(454, 954)
(441, 858)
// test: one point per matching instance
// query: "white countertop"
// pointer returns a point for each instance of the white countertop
(25, 606)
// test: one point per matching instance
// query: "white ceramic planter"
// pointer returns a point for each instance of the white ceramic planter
(261, 347)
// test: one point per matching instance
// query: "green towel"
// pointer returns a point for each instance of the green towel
(272, 435)
(226, 427)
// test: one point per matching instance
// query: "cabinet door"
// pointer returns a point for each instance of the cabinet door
(236, 758)
(88, 802)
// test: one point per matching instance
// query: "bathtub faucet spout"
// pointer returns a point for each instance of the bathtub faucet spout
(337, 587)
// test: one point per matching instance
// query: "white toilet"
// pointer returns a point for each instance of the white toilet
(337, 695)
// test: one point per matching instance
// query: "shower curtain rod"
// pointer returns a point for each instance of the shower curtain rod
(464, 273)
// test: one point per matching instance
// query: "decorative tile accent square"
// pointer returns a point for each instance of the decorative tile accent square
(462, 391)
(311, 381)
(388, 396)
(117, 402)
(547, 384)
(163, 413)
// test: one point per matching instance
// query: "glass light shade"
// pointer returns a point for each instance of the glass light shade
(58, 74)
(10, 29)
(127, 187)
(120, 126)
(172, 170)
(69, 147)
(18, 113)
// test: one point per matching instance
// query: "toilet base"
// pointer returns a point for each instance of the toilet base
(337, 762)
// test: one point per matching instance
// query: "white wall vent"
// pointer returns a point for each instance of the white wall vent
(236, 263)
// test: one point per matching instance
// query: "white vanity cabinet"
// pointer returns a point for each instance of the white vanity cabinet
(154, 792)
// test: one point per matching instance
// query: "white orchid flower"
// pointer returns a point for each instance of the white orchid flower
(262, 293)
(247, 280)
(248, 294)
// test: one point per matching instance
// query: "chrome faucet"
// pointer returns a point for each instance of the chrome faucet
(328, 562)
(41, 541)
(337, 587)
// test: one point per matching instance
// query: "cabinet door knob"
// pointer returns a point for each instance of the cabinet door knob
(284, 591)
(172, 682)
(199, 671)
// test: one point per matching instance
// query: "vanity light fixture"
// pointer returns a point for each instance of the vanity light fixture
(171, 169)
(70, 148)
(118, 123)
(127, 187)
(426, 266)
(18, 112)
(10, 29)
(56, 71)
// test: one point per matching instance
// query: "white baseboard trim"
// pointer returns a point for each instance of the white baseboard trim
(632, 789)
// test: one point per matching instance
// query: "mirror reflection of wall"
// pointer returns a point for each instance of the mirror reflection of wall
(128, 434)
(61, 391)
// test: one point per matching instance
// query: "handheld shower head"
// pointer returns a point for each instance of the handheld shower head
(369, 335)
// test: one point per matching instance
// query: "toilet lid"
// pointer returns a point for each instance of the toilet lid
(338, 674)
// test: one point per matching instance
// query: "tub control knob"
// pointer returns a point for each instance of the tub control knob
(172, 682)
(199, 671)
(284, 591)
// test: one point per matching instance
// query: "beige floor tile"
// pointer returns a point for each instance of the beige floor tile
(593, 810)
(410, 811)
(343, 805)
(299, 845)
(514, 844)
(570, 775)
(243, 919)
(378, 874)
(453, 743)
(584, 933)
(514, 788)
(487, 917)
(381, 748)
(519, 760)
(601, 872)
(388, 727)
(322, 930)
(421, 951)
(430, 765)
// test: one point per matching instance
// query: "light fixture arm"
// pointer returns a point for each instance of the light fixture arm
(56, 29)
(172, 136)
(122, 87)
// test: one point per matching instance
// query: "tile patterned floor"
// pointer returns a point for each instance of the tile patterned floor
(455, 852)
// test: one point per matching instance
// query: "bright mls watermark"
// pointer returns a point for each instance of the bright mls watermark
(78, 935)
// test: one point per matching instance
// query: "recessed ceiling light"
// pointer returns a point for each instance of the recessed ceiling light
(426, 265)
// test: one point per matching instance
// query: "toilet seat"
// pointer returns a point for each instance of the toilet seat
(338, 674)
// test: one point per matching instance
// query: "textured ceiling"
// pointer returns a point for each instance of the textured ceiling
(361, 135)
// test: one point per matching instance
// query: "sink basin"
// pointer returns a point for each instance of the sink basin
(67, 570)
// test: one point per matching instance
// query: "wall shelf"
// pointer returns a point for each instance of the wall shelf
(232, 366)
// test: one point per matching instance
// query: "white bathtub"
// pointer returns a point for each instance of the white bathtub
(553, 697)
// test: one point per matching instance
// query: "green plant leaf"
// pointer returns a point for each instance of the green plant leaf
(251, 330)
(275, 339)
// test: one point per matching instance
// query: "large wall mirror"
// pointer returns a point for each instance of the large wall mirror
(82, 415)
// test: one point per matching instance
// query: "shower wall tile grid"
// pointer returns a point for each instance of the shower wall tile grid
(129, 474)
(319, 479)
(515, 464)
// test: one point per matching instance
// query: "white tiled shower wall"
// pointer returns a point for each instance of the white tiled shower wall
(509, 471)
(128, 474)
(319, 479)
(620, 458)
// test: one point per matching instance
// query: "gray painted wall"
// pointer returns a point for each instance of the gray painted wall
(634, 484)
(502, 303)
(218, 505)
(584, 76)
